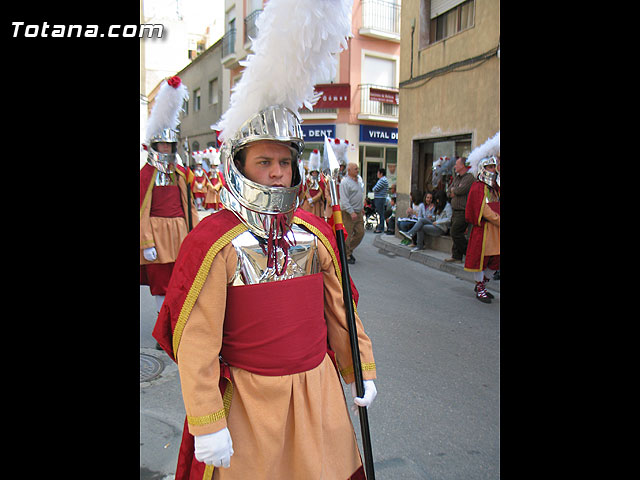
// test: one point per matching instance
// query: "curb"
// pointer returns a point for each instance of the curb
(430, 258)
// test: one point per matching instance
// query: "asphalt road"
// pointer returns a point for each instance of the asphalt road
(437, 351)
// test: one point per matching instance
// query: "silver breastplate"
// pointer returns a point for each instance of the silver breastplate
(165, 180)
(252, 261)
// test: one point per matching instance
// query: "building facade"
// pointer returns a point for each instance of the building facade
(205, 77)
(361, 103)
(449, 87)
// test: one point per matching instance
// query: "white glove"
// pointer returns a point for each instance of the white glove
(214, 448)
(370, 393)
(150, 254)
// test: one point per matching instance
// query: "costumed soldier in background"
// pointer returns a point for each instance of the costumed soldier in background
(212, 200)
(483, 213)
(316, 186)
(163, 192)
(339, 147)
(255, 311)
(199, 185)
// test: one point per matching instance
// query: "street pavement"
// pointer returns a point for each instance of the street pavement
(437, 351)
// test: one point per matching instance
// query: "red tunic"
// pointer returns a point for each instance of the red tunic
(475, 259)
(276, 340)
(162, 203)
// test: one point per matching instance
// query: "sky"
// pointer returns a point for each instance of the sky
(197, 13)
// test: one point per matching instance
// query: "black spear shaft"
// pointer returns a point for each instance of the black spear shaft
(348, 306)
(355, 354)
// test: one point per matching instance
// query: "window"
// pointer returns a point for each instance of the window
(454, 20)
(213, 91)
(229, 39)
(196, 100)
(378, 71)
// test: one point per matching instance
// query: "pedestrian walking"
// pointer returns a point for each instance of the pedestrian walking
(352, 207)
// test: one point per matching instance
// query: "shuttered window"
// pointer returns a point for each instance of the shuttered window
(449, 17)
(438, 7)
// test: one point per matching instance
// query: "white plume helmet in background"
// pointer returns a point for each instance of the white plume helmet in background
(314, 160)
(339, 147)
(487, 149)
(165, 113)
(295, 49)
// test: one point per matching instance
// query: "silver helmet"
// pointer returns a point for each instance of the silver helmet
(251, 201)
(484, 175)
(162, 124)
(164, 162)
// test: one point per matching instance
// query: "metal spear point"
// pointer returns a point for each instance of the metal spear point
(332, 174)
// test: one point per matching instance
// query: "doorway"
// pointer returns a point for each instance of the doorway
(426, 151)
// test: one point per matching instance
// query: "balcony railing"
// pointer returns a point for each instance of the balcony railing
(374, 107)
(250, 29)
(229, 43)
(381, 15)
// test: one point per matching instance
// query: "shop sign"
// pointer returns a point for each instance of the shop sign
(316, 133)
(371, 133)
(334, 95)
(384, 96)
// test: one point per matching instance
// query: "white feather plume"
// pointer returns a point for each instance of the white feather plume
(487, 149)
(166, 109)
(294, 49)
(314, 160)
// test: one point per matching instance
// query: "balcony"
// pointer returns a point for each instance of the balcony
(378, 103)
(250, 30)
(381, 19)
(229, 56)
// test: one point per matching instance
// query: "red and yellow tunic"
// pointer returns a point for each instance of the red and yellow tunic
(163, 225)
(212, 200)
(199, 185)
(483, 213)
(284, 405)
(317, 195)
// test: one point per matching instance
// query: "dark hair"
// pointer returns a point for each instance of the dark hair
(383, 171)
(416, 196)
(440, 199)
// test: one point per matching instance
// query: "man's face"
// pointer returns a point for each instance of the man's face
(459, 167)
(352, 170)
(163, 147)
(269, 163)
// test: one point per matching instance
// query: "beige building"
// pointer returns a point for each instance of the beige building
(205, 77)
(449, 85)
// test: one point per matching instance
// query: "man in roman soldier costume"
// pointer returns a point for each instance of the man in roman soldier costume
(316, 187)
(163, 192)
(254, 314)
(200, 184)
(483, 213)
(212, 200)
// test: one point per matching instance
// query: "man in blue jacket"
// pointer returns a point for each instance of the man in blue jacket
(380, 190)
